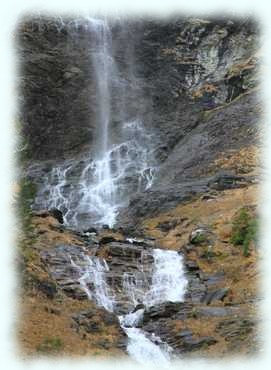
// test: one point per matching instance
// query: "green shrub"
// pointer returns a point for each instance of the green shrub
(199, 239)
(27, 238)
(50, 345)
(245, 230)
(26, 196)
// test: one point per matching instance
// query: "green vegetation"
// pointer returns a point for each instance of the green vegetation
(194, 313)
(50, 345)
(245, 230)
(199, 239)
(26, 196)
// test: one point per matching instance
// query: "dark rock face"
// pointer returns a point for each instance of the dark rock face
(167, 309)
(180, 176)
(57, 214)
(54, 65)
(67, 264)
(218, 295)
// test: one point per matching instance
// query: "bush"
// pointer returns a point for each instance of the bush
(245, 230)
(26, 196)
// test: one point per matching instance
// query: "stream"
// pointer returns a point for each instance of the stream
(166, 282)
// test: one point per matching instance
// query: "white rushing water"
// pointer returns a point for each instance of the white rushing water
(92, 189)
(144, 350)
(168, 283)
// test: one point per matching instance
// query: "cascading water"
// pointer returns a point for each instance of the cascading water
(90, 190)
(118, 164)
(168, 283)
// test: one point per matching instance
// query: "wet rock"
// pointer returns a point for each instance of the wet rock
(127, 263)
(139, 307)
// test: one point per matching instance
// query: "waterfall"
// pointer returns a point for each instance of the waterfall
(144, 350)
(168, 283)
(91, 189)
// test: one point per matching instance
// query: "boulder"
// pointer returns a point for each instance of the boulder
(190, 344)
(201, 235)
(56, 213)
(216, 295)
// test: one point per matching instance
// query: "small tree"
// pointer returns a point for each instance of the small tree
(245, 230)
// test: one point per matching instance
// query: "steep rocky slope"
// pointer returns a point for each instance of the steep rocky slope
(219, 313)
(194, 84)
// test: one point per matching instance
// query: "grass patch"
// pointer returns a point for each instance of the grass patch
(245, 230)
(50, 345)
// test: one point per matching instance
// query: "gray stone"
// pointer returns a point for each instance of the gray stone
(216, 295)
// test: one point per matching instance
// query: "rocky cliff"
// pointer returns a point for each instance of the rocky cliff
(192, 82)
